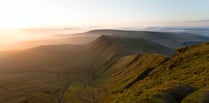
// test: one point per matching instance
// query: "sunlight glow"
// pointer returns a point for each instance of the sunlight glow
(17, 14)
(95, 14)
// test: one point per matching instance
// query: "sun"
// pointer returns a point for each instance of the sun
(13, 24)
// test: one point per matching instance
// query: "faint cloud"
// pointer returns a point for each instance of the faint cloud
(200, 21)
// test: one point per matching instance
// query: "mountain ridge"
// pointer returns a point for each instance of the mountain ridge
(110, 69)
(169, 39)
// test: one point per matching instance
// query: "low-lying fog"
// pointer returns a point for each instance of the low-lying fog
(21, 39)
(26, 38)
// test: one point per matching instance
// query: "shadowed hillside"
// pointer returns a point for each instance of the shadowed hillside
(127, 45)
(69, 57)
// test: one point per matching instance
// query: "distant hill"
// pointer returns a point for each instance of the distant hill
(169, 39)
(129, 45)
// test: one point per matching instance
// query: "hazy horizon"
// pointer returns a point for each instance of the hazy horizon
(25, 20)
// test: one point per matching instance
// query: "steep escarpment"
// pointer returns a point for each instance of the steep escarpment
(131, 69)
(106, 50)
(178, 79)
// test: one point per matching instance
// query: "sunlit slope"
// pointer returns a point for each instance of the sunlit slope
(131, 69)
(153, 78)
(182, 78)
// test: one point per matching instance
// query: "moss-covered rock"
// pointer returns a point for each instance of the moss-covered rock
(169, 92)
(199, 96)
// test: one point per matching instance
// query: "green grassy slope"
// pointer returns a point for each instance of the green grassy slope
(152, 78)
(18, 87)
(131, 69)
(182, 78)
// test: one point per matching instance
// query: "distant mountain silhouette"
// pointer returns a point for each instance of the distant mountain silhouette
(170, 39)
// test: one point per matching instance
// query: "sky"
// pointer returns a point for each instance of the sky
(102, 13)
(82, 15)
